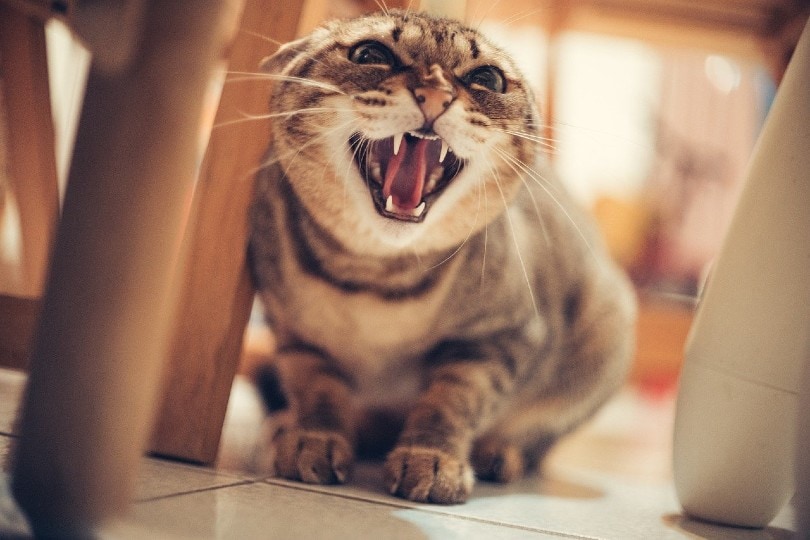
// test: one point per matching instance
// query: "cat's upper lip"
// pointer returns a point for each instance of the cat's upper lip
(405, 172)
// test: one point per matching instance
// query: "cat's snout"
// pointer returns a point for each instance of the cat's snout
(433, 102)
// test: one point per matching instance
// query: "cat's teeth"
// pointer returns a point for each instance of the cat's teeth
(376, 172)
(391, 207)
(443, 153)
(433, 179)
(398, 142)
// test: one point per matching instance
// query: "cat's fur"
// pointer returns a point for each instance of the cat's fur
(486, 328)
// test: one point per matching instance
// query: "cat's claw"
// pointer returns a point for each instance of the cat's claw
(428, 475)
(314, 457)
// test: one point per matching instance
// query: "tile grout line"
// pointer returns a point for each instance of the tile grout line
(420, 508)
(193, 491)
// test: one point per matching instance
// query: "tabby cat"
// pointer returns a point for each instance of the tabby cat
(431, 286)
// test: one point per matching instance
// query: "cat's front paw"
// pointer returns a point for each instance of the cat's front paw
(428, 475)
(314, 457)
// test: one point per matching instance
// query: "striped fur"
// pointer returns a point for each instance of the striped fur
(488, 329)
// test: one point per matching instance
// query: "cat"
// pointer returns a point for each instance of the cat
(434, 291)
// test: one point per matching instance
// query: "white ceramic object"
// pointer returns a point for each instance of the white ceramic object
(736, 420)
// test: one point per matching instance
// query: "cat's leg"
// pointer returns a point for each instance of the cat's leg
(315, 446)
(430, 462)
(496, 459)
(573, 383)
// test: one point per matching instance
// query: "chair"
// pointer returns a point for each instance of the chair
(140, 269)
(111, 296)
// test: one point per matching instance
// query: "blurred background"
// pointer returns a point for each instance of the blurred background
(652, 109)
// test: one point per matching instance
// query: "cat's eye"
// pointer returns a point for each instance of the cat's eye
(486, 78)
(372, 52)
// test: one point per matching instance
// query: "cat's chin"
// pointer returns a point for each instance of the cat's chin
(391, 236)
(377, 236)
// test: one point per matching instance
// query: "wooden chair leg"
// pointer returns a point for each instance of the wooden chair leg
(27, 138)
(18, 319)
(109, 301)
(216, 294)
(30, 142)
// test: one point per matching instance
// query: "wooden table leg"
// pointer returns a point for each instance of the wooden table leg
(103, 333)
(216, 289)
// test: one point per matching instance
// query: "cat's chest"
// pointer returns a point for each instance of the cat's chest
(365, 331)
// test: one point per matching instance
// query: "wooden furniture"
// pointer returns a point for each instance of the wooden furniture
(109, 301)
(126, 290)
(215, 290)
(31, 175)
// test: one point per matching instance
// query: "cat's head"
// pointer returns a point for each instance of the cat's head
(401, 130)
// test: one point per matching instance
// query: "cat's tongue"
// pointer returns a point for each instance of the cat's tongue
(405, 174)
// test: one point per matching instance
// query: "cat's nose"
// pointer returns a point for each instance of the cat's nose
(433, 102)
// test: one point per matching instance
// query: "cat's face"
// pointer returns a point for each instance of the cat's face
(401, 131)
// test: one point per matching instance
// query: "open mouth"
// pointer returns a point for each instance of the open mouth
(405, 173)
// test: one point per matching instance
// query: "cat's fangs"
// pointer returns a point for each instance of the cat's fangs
(391, 207)
(443, 152)
(398, 142)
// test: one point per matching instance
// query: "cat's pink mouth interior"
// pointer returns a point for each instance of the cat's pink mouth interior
(406, 172)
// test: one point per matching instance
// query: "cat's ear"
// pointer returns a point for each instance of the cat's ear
(276, 62)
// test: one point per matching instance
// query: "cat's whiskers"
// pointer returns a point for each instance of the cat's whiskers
(546, 142)
(518, 252)
(545, 186)
(276, 42)
(383, 7)
(364, 146)
(247, 117)
(473, 227)
(537, 211)
(409, 7)
(506, 22)
(518, 16)
(482, 187)
(276, 158)
(242, 76)
(322, 134)
(255, 34)
(490, 7)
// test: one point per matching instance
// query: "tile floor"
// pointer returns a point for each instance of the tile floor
(610, 480)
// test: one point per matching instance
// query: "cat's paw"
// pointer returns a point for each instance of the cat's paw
(314, 457)
(497, 461)
(428, 475)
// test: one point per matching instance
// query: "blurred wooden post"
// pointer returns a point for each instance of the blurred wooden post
(31, 158)
(216, 293)
(106, 314)
(28, 137)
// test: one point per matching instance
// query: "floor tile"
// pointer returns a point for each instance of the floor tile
(610, 480)
(568, 503)
(159, 478)
(260, 510)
